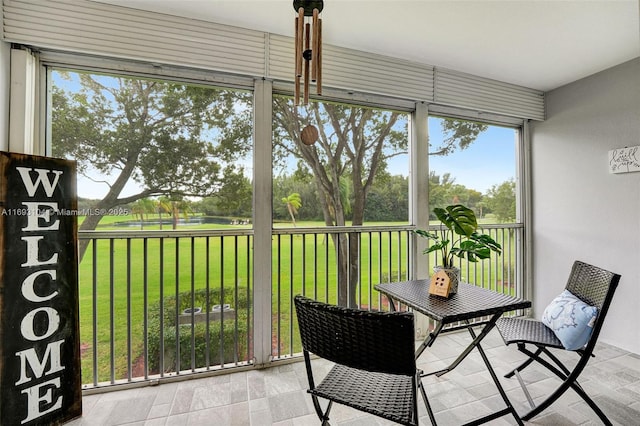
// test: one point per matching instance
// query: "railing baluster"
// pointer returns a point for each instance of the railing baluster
(279, 290)
(112, 313)
(193, 305)
(221, 340)
(145, 304)
(129, 355)
(237, 281)
(380, 262)
(370, 280)
(304, 265)
(207, 286)
(326, 267)
(161, 304)
(94, 279)
(177, 313)
(249, 306)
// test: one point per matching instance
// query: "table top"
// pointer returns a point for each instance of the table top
(469, 302)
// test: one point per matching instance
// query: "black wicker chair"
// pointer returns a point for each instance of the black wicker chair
(374, 355)
(594, 286)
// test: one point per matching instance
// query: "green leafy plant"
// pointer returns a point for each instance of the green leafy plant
(458, 236)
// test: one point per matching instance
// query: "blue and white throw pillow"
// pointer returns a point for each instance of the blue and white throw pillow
(571, 320)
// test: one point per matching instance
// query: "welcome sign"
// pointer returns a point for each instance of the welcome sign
(40, 381)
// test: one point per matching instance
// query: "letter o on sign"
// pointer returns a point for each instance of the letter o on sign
(26, 326)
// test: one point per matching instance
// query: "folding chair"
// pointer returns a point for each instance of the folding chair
(374, 355)
(594, 286)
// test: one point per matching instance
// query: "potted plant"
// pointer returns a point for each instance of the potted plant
(458, 237)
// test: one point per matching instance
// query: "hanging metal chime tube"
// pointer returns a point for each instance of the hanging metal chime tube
(308, 48)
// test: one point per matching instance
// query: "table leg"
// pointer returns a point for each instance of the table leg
(475, 343)
(392, 306)
(428, 341)
(509, 409)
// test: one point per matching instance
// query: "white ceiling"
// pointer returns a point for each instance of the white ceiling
(533, 43)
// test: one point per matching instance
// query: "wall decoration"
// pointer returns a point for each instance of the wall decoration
(624, 160)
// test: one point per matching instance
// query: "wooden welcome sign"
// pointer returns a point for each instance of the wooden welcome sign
(40, 381)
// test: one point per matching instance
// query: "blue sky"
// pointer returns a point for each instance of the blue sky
(490, 160)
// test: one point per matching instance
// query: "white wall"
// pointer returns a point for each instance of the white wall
(580, 210)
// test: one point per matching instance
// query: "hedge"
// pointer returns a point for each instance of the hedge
(234, 332)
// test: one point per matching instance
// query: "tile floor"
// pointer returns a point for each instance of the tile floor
(276, 396)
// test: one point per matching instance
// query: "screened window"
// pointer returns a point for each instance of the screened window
(153, 153)
(474, 164)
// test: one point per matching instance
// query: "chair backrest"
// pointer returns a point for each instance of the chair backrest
(594, 286)
(374, 341)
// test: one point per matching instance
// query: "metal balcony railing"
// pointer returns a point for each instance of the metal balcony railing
(158, 305)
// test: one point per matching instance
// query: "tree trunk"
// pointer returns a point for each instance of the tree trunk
(89, 224)
(348, 261)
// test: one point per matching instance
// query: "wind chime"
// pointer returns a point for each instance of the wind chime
(308, 48)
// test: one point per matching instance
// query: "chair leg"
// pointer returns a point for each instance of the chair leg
(426, 403)
(553, 358)
(525, 364)
(322, 415)
(569, 380)
(591, 403)
(569, 383)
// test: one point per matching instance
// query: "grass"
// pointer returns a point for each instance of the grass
(144, 273)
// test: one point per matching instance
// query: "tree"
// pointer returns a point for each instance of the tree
(180, 205)
(388, 200)
(354, 146)
(162, 204)
(439, 191)
(168, 138)
(235, 197)
(142, 208)
(459, 135)
(293, 203)
(301, 184)
(501, 199)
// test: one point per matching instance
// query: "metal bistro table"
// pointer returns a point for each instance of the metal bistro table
(469, 303)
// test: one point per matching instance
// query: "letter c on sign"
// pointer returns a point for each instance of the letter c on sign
(26, 326)
(27, 286)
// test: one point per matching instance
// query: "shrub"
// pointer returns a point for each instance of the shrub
(231, 347)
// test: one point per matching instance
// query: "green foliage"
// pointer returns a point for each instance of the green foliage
(459, 236)
(443, 191)
(235, 197)
(293, 203)
(501, 199)
(170, 138)
(458, 135)
(388, 200)
(221, 349)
